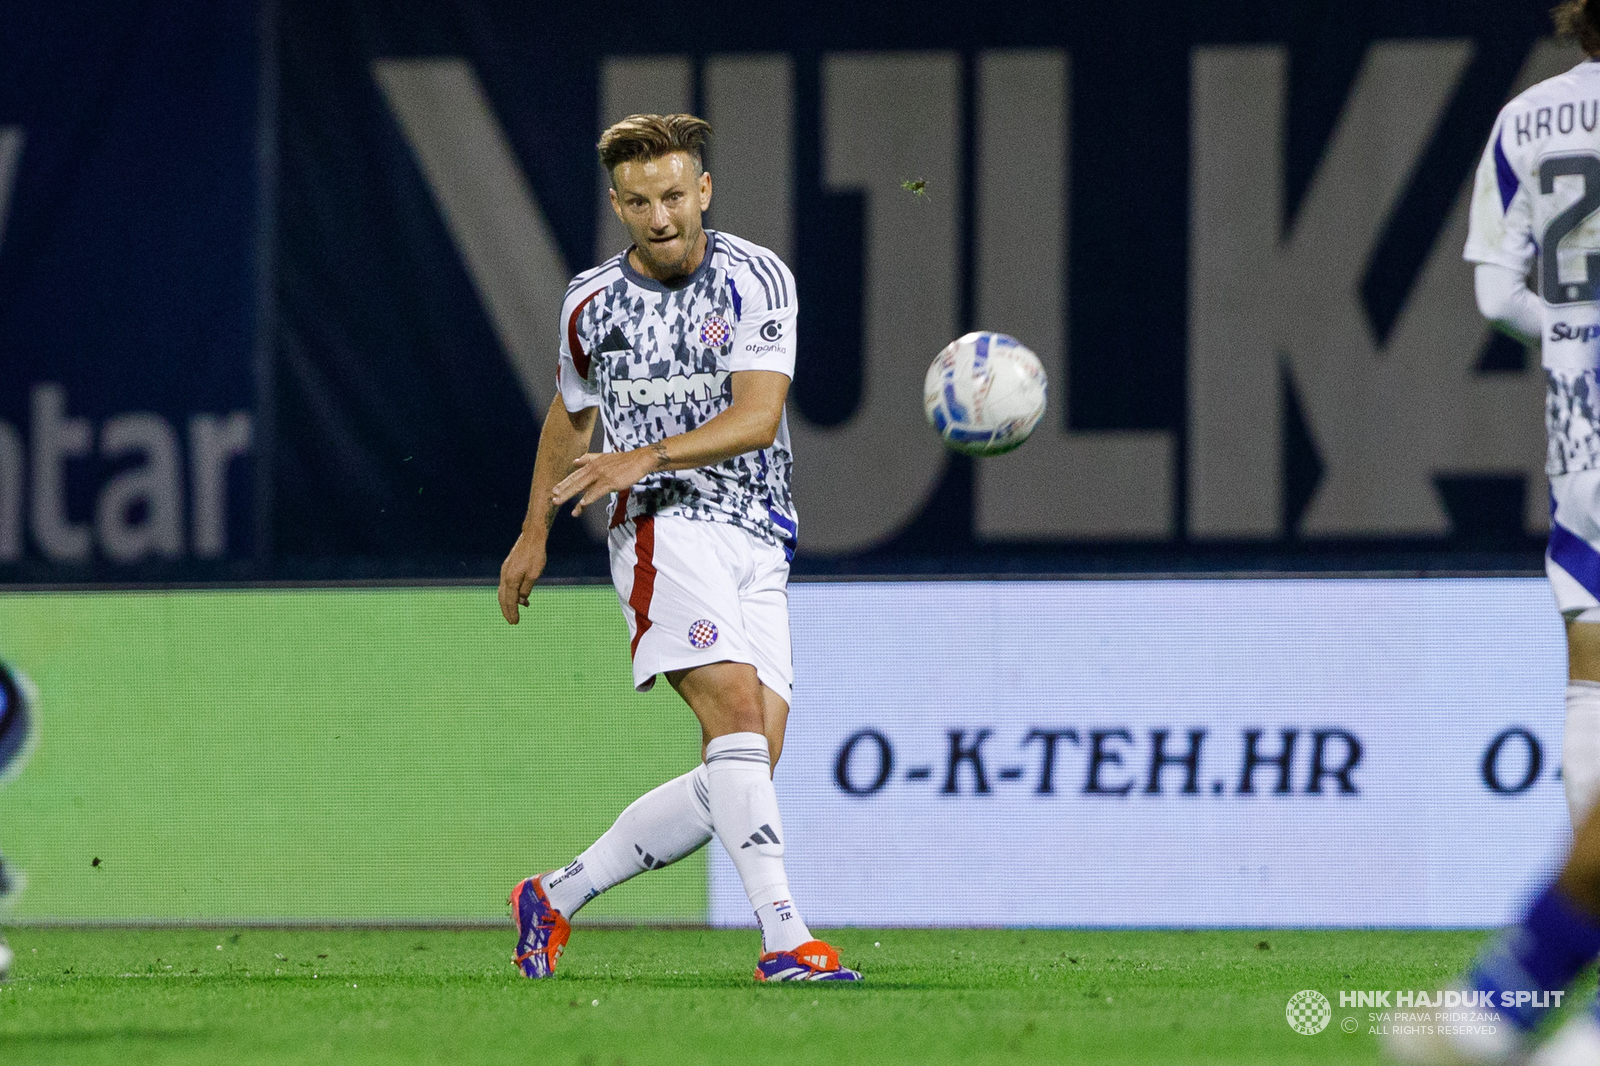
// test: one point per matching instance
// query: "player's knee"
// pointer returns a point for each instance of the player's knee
(1581, 882)
(1583, 646)
(1581, 876)
(725, 696)
(728, 711)
(745, 716)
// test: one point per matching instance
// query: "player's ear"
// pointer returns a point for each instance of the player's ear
(616, 205)
(705, 191)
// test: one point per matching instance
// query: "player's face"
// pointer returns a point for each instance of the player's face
(660, 201)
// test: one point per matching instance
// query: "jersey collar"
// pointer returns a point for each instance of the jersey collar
(645, 282)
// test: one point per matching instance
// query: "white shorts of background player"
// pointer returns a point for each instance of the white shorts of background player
(1572, 560)
(697, 592)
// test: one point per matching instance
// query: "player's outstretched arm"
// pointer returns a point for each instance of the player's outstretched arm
(749, 423)
(565, 437)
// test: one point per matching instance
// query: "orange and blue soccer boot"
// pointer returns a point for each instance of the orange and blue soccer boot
(541, 930)
(812, 961)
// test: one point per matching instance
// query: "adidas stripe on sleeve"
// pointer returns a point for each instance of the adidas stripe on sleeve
(766, 311)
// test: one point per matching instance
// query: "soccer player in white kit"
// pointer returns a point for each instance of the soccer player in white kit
(1536, 215)
(683, 347)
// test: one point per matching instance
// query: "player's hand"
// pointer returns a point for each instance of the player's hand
(518, 573)
(600, 473)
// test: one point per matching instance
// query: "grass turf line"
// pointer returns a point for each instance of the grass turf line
(668, 996)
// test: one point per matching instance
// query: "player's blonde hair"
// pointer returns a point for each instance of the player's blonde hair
(1580, 19)
(640, 137)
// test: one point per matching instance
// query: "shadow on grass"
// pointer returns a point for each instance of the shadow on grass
(97, 1036)
(720, 982)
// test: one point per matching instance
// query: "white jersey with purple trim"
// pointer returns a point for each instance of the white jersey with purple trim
(1536, 210)
(656, 360)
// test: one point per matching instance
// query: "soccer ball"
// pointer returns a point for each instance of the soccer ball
(984, 393)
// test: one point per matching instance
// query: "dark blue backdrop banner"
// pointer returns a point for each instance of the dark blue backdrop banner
(1231, 230)
(128, 216)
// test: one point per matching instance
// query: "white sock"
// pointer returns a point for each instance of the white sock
(744, 809)
(1580, 749)
(655, 830)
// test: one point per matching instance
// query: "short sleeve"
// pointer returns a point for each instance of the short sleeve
(1500, 227)
(573, 372)
(764, 335)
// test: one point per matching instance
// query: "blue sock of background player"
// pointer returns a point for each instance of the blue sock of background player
(1524, 972)
(1541, 955)
(1558, 936)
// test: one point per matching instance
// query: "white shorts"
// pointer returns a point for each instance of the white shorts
(697, 592)
(1572, 560)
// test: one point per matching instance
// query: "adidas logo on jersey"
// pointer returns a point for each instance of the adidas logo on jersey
(678, 388)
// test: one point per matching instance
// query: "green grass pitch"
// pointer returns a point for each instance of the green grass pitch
(668, 996)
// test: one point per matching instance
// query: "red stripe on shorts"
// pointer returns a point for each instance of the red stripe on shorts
(619, 513)
(644, 576)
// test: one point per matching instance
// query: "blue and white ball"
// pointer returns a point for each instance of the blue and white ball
(984, 393)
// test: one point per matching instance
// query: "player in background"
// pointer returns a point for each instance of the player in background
(682, 347)
(16, 734)
(5, 949)
(1557, 937)
(1536, 215)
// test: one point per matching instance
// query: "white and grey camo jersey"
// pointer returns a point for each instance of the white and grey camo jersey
(1571, 421)
(656, 360)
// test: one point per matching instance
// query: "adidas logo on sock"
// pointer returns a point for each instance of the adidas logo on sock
(649, 860)
(574, 867)
(757, 838)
